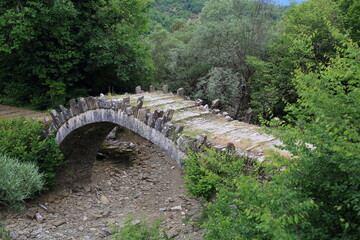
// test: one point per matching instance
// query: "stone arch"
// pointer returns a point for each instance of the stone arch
(82, 129)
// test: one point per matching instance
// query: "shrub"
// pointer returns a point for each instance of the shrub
(258, 210)
(18, 180)
(25, 140)
(134, 230)
(207, 172)
(245, 206)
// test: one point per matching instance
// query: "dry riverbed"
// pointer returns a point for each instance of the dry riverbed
(152, 187)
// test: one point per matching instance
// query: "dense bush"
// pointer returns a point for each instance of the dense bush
(139, 230)
(245, 207)
(25, 140)
(18, 180)
(207, 173)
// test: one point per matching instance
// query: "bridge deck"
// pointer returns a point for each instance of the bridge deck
(220, 131)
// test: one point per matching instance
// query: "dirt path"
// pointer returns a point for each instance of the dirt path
(9, 112)
(152, 187)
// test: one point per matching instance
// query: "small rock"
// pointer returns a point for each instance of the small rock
(173, 233)
(38, 217)
(136, 222)
(59, 223)
(228, 118)
(43, 207)
(176, 208)
(30, 214)
(104, 199)
(162, 209)
(215, 104)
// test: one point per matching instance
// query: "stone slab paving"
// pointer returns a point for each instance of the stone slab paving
(198, 120)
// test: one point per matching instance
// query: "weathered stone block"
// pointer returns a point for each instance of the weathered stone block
(67, 113)
(168, 115)
(159, 124)
(138, 90)
(168, 129)
(130, 111)
(140, 102)
(56, 120)
(152, 88)
(215, 104)
(230, 147)
(179, 129)
(142, 114)
(215, 111)
(126, 100)
(166, 89)
(102, 96)
(62, 118)
(153, 117)
(200, 141)
(92, 103)
(83, 107)
(140, 99)
(104, 104)
(199, 102)
(181, 92)
(228, 118)
(248, 115)
(74, 107)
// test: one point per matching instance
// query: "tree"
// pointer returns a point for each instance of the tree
(325, 136)
(273, 87)
(53, 50)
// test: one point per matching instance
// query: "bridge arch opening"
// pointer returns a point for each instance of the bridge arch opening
(81, 136)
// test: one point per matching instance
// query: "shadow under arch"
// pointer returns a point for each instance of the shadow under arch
(80, 138)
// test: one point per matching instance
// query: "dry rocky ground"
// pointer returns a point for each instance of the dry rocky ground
(151, 187)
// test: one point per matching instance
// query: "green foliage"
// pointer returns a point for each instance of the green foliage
(50, 48)
(24, 139)
(223, 84)
(257, 210)
(246, 207)
(303, 41)
(143, 230)
(166, 12)
(351, 12)
(4, 234)
(325, 136)
(214, 48)
(207, 173)
(18, 180)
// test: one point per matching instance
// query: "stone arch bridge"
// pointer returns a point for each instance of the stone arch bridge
(170, 121)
